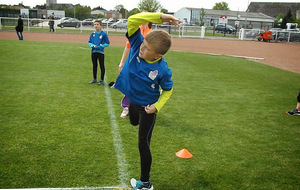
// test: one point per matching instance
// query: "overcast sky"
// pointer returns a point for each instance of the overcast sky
(170, 5)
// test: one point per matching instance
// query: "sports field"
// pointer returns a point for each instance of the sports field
(58, 131)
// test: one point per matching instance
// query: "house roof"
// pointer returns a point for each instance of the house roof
(104, 12)
(233, 14)
(273, 9)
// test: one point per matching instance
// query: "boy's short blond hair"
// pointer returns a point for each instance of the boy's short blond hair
(99, 21)
(160, 39)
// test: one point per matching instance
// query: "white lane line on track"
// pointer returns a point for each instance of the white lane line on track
(239, 56)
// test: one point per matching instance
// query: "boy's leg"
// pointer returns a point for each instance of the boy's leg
(133, 114)
(125, 105)
(147, 122)
(102, 67)
(298, 102)
(21, 34)
(138, 115)
(125, 102)
(95, 65)
(295, 111)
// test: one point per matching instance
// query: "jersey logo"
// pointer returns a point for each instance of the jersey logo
(153, 74)
(100, 36)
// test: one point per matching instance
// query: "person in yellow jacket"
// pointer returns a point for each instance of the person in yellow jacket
(144, 73)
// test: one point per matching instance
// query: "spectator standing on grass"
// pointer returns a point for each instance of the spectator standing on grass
(295, 111)
(144, 73)
(19, 28)
(51, 23)
(98, 41)
(145, 29)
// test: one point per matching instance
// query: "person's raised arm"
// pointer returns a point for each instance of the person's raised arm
(136, 20)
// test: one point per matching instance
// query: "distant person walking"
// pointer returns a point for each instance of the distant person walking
(51, 23)
(19, 28)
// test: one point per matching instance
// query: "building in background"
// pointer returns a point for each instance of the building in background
(234, 18)
(107, 14)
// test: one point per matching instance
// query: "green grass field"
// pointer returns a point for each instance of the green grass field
(56, 129)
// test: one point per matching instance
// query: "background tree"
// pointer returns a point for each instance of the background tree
(133, 11)
(81, 12)
(289, 18)
(164, 10)
(149, 5)
(298, 21)
(202, 14)
(100, 16)
(98, 8)
(221, 6)
(121, 9)
(40, 6)
(277, 22)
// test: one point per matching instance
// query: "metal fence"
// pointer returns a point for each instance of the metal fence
(184, 31)
(277, 35)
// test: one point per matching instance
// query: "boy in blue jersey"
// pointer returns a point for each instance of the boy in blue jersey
(98, 41)
(144, 73)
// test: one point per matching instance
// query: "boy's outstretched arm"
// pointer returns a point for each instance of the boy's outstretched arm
(170, 19)
(136, 20)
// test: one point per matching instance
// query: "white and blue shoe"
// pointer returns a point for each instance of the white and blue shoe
(141, 185)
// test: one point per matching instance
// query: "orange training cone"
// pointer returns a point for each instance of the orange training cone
(184, 153)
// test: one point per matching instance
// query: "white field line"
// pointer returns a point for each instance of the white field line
(122, 163)
(239, 56)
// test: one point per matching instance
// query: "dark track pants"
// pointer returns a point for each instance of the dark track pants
(95, 58)
(138, 116)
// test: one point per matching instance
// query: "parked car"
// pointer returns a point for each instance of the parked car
(121, 23)
(253, 33)
(107, 22)
(88, 22)
(72, 22)
(163, 25)
(221, 28)
(36, 22)
(275, 32)
(287, 35)
(63, 19)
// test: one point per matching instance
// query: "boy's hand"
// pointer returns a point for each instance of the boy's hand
(170, 18)
(150, 109)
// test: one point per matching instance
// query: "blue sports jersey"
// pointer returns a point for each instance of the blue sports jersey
(99, 39)
(139, 80)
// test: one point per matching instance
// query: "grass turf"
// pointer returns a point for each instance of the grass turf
(228, 112)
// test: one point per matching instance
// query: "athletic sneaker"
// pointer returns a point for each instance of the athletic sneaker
(93, 81)
(101, 82)
(293, 112)
(143, 185)
(124, 113)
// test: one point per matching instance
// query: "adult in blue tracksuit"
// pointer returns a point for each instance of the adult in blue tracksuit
(98, 41)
